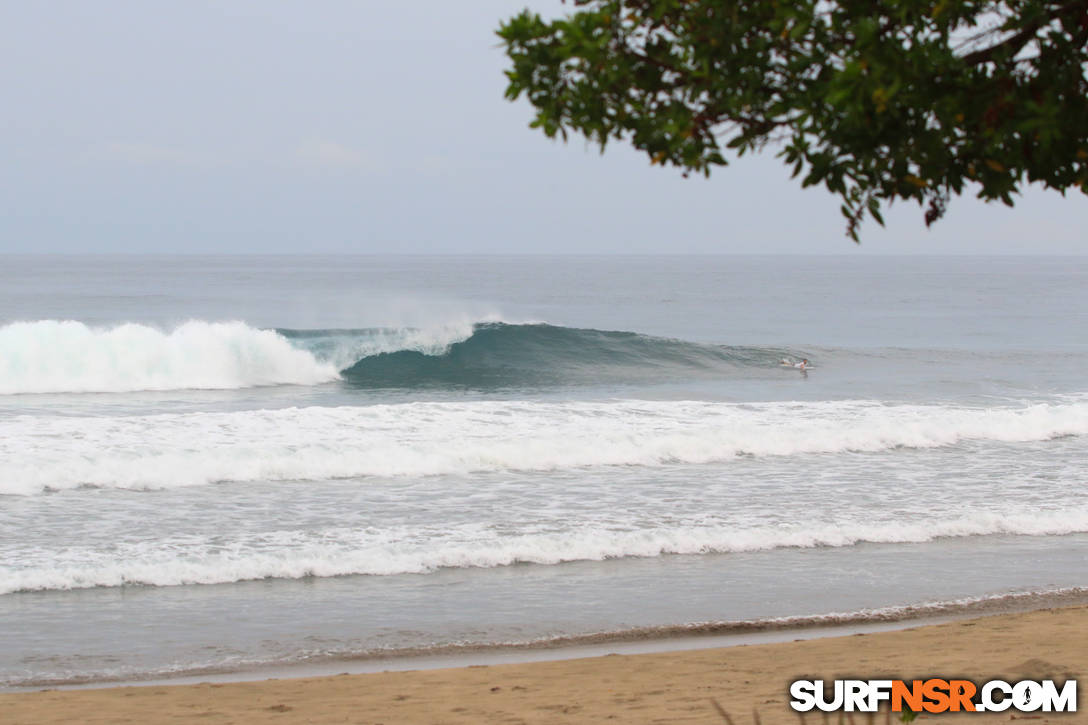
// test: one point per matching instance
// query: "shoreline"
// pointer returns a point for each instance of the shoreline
(645, 640)
(666, 686)
(490, 655)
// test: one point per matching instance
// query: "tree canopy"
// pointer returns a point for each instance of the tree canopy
(877, 101)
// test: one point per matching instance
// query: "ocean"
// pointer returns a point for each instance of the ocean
(218, 464)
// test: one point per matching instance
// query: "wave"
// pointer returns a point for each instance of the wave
(345, 348)
(43, 453)
(54, 356)
(501, 354)
(343, 552)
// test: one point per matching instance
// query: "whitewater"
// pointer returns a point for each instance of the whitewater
(52, 453)
(340, 552)
(306, 458)
(67, 356)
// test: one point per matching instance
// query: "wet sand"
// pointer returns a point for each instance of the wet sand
(665, 687)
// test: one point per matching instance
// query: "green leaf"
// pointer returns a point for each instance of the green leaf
(876, 102)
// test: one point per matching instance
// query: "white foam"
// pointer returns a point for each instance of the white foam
(51, 356)
(434, 339)
(39, 453)
(339, 552)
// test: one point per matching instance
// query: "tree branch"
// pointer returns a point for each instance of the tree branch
(1014, 43)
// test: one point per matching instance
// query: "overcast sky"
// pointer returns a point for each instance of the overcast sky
(272, 126)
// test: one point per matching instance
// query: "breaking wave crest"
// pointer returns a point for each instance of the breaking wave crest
(53, 356)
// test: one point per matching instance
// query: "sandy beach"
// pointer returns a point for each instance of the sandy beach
(669, 687)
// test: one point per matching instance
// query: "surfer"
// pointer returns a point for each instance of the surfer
(804, 364)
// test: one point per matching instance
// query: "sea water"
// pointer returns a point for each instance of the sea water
(222, 463)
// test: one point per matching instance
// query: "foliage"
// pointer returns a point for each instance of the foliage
(877, 101)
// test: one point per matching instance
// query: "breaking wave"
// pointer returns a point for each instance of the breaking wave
(499, 354)
(53, 356)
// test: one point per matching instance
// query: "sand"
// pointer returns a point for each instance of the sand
(669, 687)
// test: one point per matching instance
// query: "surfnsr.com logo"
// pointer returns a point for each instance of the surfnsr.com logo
(933, 695)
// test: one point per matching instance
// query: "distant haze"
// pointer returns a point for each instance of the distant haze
(267, 126)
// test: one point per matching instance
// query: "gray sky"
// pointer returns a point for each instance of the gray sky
(363, 127)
